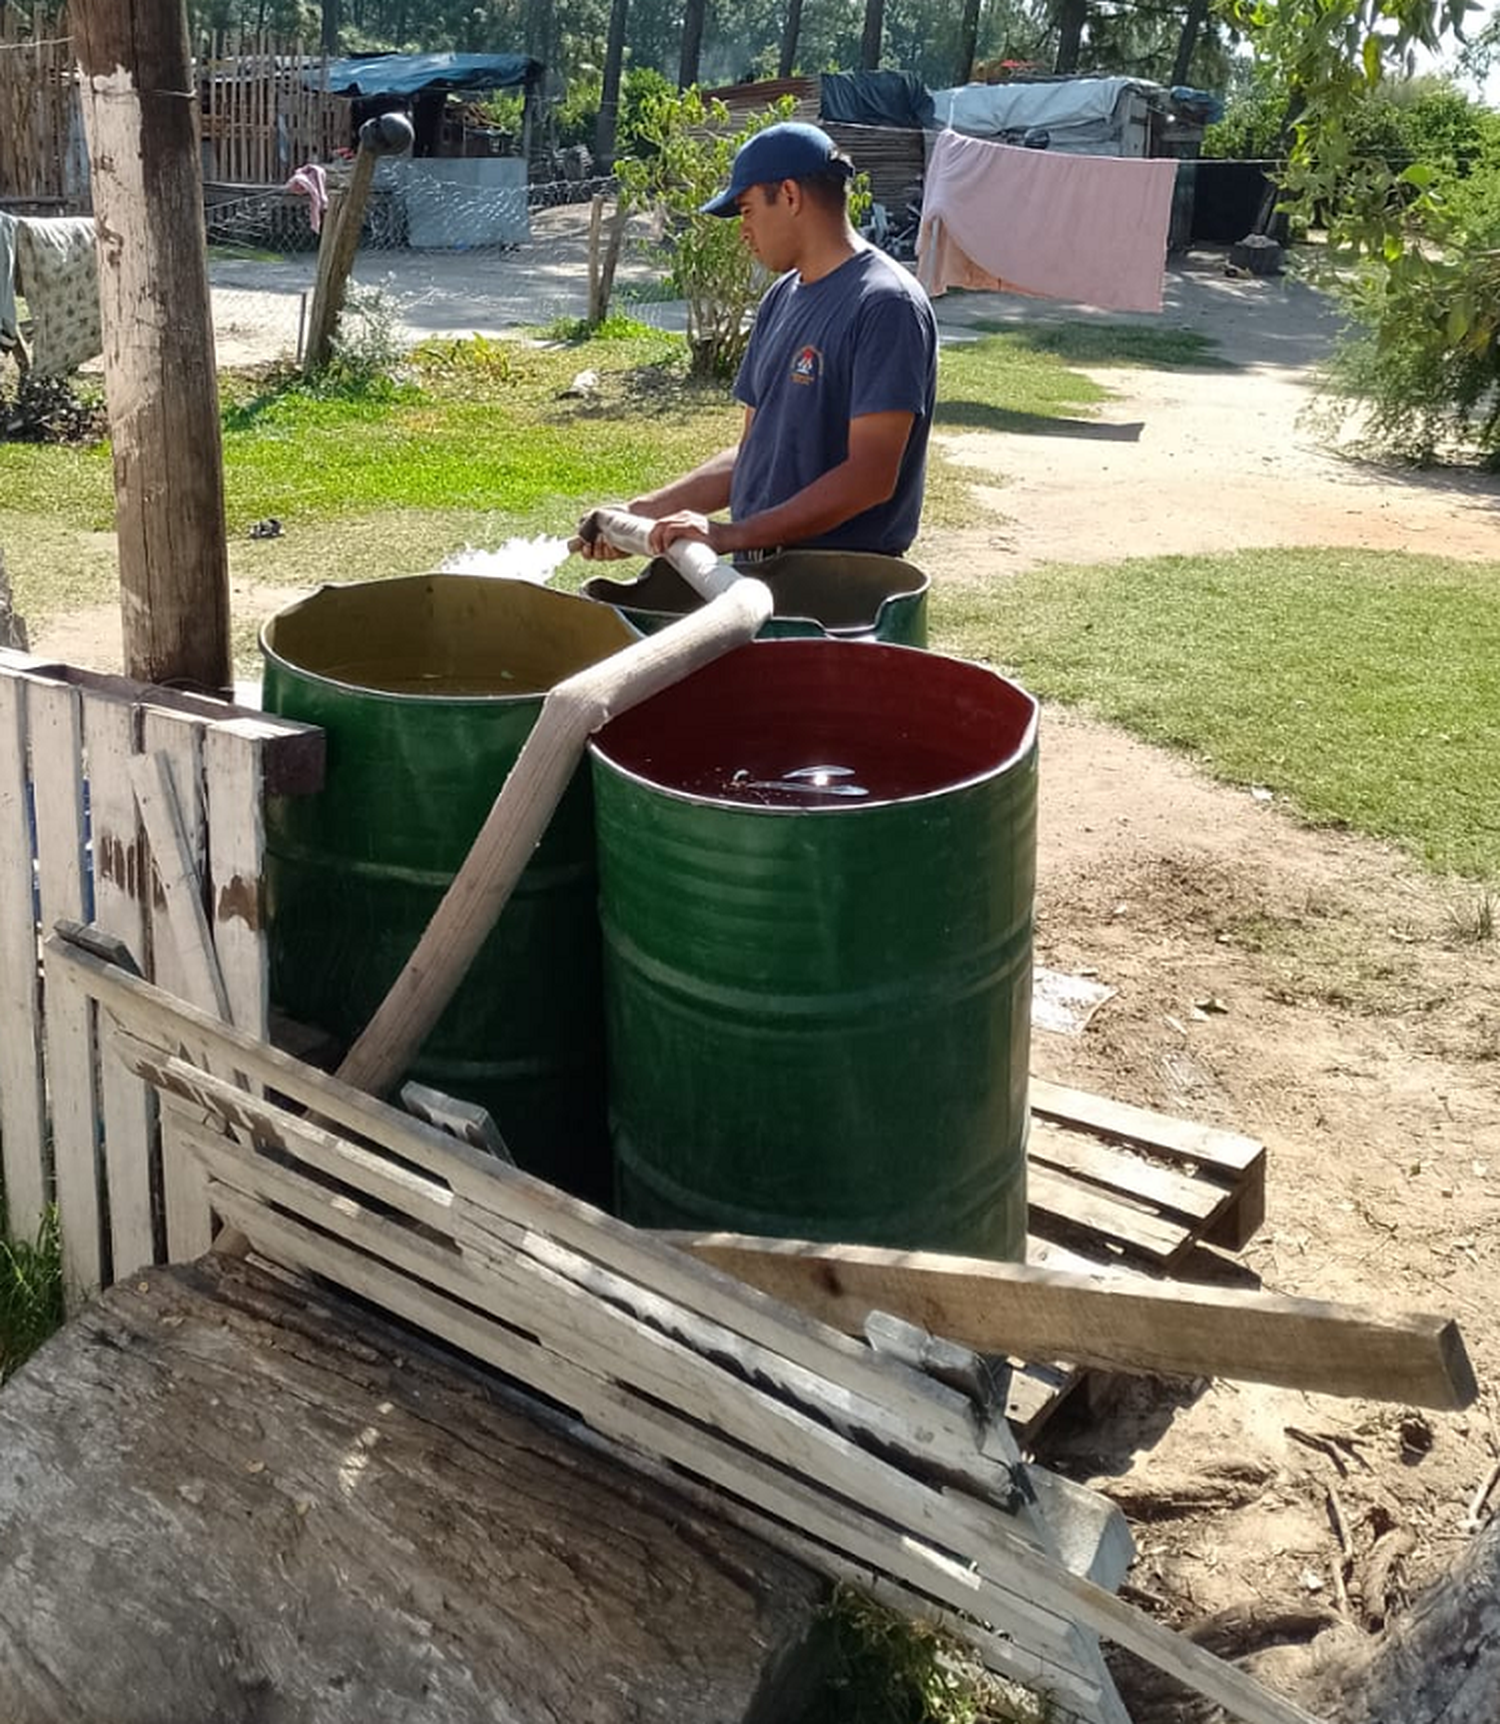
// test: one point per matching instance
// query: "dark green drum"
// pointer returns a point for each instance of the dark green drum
(846, 594)
(817, 867)
(427, 688)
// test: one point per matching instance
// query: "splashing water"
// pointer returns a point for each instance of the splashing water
(536, 560)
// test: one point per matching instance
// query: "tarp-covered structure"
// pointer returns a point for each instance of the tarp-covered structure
(875, 99)
(1084, 116)
(420, 74)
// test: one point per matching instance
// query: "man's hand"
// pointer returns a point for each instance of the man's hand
(687, 524)
(595, 548)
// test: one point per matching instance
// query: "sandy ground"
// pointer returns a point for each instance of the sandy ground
(1361, 1039)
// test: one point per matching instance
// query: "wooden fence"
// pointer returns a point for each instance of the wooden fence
(42, 156)
(260, 119)
(138, 809)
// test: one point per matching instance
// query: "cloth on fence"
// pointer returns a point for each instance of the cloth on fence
(1092, 229)
(10, 326)
(56, 269)
(311, 182)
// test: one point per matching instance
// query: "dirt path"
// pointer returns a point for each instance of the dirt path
(1361, 1039)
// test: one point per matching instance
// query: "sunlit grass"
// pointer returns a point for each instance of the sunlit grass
(1363, 687)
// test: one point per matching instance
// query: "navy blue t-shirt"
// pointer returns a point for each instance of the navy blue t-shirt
(860, 340)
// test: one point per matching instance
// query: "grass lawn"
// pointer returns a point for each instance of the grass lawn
(1364, 687)
(482, 443)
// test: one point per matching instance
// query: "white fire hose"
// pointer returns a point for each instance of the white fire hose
(700, 566)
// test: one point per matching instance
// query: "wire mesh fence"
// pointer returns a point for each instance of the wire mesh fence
(452, 252)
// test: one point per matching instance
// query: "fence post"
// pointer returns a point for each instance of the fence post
(386, 134)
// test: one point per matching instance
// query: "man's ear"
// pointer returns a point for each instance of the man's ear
(794, 195)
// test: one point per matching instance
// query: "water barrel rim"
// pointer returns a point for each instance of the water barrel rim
(624, 595)
(1024, 746)
(404, 697)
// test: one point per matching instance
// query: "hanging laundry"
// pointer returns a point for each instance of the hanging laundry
(1092, 229)
(10, 327)
(311, 182)
(55, 268)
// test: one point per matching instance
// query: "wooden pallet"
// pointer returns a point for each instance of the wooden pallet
(1114, 1186)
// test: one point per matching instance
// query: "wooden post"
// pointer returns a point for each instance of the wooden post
(387, 134)
(594, 316)
(159, 377)
(611, 260)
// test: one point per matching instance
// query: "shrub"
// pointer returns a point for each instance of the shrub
(711, 269)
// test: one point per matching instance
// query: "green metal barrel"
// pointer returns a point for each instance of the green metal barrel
(817, 865)
(427, 688)
(848, 595)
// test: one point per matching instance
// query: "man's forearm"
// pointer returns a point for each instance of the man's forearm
(840, 494)
(705, 489)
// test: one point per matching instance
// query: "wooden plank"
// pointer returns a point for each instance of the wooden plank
(175, 852)
(23, 1104)
(1113, 1323)
(132, 1161)
(366, 1172)
(234, 772)
(980, 1582)
(1051, 1197)
(1183, 1140)
(513, 1195)
(57, 770)
(177, 963)
(1101, 1163)
(295, 754)
(400, 1187)
(1238, 1160)
(1045, 1584)
(582, 1347)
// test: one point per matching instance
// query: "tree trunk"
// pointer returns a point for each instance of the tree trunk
(968, 41)
(228, 1495)
(609, 98)
(159, 378)
(1192, 24)
(328, 39)
(1440, 1663)
(692, 42)
(1071, 17)
(790, 33)
(869, 47)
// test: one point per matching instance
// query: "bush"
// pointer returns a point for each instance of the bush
(578, 111)
(51, 410)
(691, 151)
(1421, 358)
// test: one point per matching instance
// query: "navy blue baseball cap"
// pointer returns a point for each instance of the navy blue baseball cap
(790, 151)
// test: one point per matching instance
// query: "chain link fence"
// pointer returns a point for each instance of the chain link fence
(453, 249)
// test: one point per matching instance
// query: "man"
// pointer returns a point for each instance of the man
(838, 381)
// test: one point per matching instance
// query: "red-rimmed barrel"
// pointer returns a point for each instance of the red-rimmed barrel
(817, 872)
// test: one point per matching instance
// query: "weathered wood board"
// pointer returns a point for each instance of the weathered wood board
(227, 1497)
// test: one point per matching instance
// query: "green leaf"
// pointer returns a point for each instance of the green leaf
(1420, 174)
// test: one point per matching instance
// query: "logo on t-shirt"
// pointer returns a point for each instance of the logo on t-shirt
(807, 366)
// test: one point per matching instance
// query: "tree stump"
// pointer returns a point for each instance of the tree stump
(12, 625)
(1439, 1663)
(230, 1496)
(1257, 253)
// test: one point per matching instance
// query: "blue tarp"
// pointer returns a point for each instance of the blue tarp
(411, 74)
